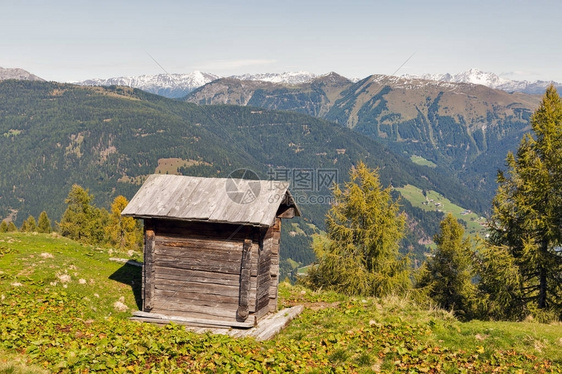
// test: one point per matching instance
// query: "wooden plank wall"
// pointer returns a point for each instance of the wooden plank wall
(264, 279)
(196, 269)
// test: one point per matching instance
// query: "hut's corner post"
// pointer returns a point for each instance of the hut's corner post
(148, 268)
(245, 277)
(274, 273)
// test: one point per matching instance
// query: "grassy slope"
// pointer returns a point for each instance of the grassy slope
(69, 329)
(422, 161)
(415, 196)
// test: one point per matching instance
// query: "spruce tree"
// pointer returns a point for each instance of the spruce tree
(364, 228)
(447, 275)
(527, 209)
(44, 224)
(3, 226)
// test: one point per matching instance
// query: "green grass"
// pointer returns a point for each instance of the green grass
(17, 364)
(69, 329)
(60, 265)
(303, 270)
(422, 161)
(434, 201)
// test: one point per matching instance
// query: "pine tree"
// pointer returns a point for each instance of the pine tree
(364, 228)
(12, 227)
(447, 275)
(23, 227)
(123, 232)
(3, 226)
(44, 224)
(527, 209)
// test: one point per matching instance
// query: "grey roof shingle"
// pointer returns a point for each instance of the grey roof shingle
(226, 200)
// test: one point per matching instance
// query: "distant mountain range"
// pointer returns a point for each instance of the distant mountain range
(465, 123)
(168, 85)
(179, 85)
(19, 74)
(459, 122)
(466, 129)
(492, 80)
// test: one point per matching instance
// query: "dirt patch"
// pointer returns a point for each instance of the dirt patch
(313, 305)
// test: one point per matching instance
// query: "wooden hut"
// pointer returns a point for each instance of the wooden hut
(211, 247)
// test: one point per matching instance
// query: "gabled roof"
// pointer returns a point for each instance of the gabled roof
(226, 200)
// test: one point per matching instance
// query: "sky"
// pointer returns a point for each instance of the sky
(76, 40)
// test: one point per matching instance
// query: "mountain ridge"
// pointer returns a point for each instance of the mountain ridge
(492, 80)
(18, 74)
(455, 125)
(167, 85)
(178, 85)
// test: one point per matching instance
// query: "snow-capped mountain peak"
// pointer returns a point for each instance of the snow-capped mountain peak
(179, 85)
(169, 85)
(476, 76)
(297, 77)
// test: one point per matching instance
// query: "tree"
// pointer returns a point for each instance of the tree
(44, 224)
(3, 226)
(364, 228)
(123, 232)
(499, 292)
(81, 220)
(12, 227)
(527, 209)
(447, 275)
(29, 225)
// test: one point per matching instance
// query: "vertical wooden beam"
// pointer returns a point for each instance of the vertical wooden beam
(148, 269)
(245, 274)
(274, 271)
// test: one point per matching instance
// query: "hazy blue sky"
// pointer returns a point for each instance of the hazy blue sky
(77, 40)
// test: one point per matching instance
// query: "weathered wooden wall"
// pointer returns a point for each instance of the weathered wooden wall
(194, 270)
(271, 241)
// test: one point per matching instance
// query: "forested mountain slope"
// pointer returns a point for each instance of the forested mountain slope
(465, 129)
(108, 140)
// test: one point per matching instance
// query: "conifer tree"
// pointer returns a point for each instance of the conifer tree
(12, 227)
(364, 228)
(498, 288)
(3, 226)
(123, 232)
(447, 275)
(30, 225)
(81, 220)
(44, 224)
(23, 227)
(527, 209)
